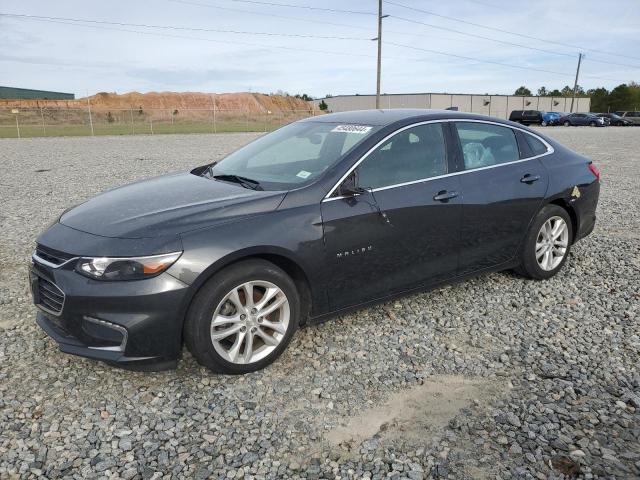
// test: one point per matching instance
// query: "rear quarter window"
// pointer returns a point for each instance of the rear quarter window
(537, 147)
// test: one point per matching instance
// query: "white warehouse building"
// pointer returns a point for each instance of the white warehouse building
(499, 106)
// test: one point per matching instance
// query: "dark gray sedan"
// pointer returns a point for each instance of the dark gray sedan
(324, 215)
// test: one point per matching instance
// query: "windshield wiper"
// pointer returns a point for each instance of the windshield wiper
(244, 181)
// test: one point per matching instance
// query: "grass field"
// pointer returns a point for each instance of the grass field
(68, 123)
(27, 131)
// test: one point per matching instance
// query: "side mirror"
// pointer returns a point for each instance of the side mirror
(349, 187)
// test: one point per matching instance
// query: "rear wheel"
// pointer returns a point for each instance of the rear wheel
(243, 318)
(547, 243)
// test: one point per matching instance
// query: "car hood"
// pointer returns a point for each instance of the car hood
(167, 205)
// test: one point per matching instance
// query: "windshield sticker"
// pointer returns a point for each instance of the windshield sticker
(360, 129)
(303, 174)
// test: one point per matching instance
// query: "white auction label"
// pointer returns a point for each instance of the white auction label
(361, 129)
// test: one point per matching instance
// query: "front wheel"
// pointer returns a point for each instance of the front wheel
(547, 243)
(592, 124)
(567, 123)
(243, 318)
(544, 124)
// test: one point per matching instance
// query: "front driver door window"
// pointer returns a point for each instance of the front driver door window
(395, 235)
(411, 155)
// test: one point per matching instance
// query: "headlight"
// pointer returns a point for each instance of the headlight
(126, 268)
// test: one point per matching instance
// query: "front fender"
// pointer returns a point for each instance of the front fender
(294, 234)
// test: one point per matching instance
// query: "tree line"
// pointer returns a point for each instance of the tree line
(623, 97)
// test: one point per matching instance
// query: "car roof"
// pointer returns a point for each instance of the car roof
(388, 117)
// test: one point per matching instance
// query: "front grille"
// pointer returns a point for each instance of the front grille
(50, 296)
(50, 255)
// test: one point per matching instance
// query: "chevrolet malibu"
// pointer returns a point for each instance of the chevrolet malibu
(324, 215)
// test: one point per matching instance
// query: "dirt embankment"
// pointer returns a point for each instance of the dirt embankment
(247, 102)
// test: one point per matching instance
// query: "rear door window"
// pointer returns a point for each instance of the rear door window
(485, 144)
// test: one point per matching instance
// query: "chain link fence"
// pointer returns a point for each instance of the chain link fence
(48, 122)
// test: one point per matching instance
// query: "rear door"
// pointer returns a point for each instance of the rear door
(404, 230)
(502, 191)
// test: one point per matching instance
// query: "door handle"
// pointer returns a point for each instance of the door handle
(529, 179)
(443, 196)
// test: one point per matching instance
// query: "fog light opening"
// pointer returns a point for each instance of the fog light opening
(107, 332)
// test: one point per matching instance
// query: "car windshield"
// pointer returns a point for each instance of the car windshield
(290, 157)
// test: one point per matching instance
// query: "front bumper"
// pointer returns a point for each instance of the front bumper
(134, 324)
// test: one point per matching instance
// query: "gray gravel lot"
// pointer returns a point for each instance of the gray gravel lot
(496, 377)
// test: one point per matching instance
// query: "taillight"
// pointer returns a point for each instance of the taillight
(594, 170)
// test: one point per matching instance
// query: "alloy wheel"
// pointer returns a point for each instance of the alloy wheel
(552, 243)
(250, 322)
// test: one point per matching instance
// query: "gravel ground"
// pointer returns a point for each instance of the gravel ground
(495, 377)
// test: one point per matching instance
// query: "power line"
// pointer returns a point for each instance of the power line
(172, 27)
(229, 42)
(454, 19)
(265, 14)
(463, 57)
(188, 2)
(97, 24)
(306, 7)
(447, 29)
(475, 59)
(287, 17)
(513, 44)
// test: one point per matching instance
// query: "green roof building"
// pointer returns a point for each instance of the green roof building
(10, 93)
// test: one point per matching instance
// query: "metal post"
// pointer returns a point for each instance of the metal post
(379, 66)
(575, 84)
(133, 128)
(90, 119)
(17, 126)
(151, 124)
(215, 125)
(44, 128)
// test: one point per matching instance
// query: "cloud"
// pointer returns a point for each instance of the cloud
(190, 78)
(79, 58)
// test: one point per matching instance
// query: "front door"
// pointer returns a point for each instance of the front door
(403, 231)
(502, 192)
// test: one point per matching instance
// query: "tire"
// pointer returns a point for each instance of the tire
(544, 124)
(216, 298)
(567, 123)
(530, 265)
(592, 124)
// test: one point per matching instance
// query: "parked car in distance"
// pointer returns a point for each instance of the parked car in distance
(615, 120)
(632, 116)
(526, 117)
(582, 119)
(324, 215)
(551, 118)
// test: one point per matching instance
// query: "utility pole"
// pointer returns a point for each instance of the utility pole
(575, 84)
(379, 39)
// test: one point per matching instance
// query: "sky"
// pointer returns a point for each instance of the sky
(283, 48)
